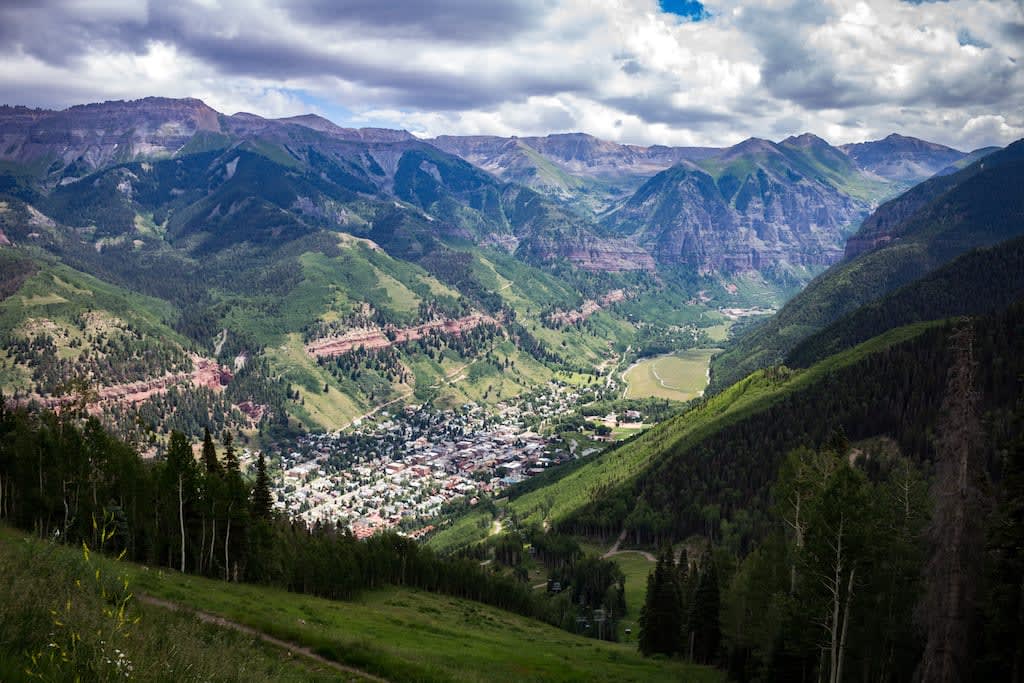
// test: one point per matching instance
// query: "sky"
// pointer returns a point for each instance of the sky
(674, 72)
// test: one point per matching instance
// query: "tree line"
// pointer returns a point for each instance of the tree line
(203, 515)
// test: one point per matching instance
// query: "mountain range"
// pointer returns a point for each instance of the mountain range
(251, 240)
(601, 205)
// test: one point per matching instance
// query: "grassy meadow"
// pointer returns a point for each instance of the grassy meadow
(400, 634)
(679, 376)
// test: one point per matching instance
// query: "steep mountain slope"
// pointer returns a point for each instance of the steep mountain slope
(772, 203)
(902, 241)
(264, 237)
(708, 470)
(756, 205)
(976, 283)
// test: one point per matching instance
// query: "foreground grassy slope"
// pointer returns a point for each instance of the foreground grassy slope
(49, 594)
(403, 635)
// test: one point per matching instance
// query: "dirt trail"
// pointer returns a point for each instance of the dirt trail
(614, 550)
(265, 637)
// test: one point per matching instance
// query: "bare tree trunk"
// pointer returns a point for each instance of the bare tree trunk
(846, 624)
(957, 526)
(64, 498)
(834, 585)
(227, 546)
(798, 531)
(181, 518)
(202, 545)
(213, 541)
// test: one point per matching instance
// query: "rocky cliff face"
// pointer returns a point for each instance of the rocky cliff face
(85, 138)
(759, 211)
(92, 136)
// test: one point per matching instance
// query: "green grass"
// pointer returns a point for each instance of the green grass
(718, 333)
(57, 299)
(465, 530)
(332, 410)
(635, 567)
(680, 376)
(50, 594)
(43, 300)
(401, 634)
(412, 635)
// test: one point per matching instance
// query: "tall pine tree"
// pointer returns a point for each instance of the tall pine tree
(661, 619)
(210, 453)
(703, 622)
(262, 503)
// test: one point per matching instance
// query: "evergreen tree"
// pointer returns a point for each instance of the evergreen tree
(210, 453)
(230, 458)
(703, 622)
(954, 570)
(1004, 604)
(661, 619)
(181, 476)
(262, 503)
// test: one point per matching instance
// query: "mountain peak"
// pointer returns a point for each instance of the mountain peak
(902, 158)
(805, 140)
(750, 146)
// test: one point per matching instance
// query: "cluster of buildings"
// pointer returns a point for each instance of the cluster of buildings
(405, 468)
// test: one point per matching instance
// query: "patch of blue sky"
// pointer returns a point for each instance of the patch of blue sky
(688, 9)
(326, 108)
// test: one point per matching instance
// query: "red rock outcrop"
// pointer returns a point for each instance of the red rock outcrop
(378, 338)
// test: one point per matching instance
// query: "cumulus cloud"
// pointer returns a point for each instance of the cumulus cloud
(622, 69)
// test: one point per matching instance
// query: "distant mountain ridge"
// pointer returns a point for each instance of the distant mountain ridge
(902, 159)
(598, 204)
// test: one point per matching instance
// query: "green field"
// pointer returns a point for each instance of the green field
(400, 634)
(679, 376)
(636, 567)
(720, 332)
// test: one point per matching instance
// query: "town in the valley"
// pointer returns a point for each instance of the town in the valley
(404, 468)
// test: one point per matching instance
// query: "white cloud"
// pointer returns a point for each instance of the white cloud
(620, 69)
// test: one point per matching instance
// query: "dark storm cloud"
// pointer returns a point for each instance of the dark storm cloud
(56, 33)
(790, 69)
(413, 84)
(455, 20)
(525, 65)
(1014, 30)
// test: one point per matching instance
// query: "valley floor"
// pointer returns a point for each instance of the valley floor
(678, 376)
